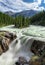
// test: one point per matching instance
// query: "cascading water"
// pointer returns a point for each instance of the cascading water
(22, 48)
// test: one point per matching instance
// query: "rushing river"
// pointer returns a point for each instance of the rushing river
(25, 38)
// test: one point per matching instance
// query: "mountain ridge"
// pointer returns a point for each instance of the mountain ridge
(26, 13)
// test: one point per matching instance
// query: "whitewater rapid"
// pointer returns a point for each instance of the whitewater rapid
(22, 48)
(25, 39)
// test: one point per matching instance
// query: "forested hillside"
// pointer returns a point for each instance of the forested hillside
(21, 21)
(38, 19)
(5, 19)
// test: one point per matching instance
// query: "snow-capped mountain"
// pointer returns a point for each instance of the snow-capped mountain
(21, 5)
(26, 13)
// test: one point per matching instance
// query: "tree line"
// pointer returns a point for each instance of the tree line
(22, 21)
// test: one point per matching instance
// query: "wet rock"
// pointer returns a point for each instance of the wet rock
(5, 39)
(4, 45)
(16, 41)
(17, 63)
(37, 60)
(1, 50)
(33, 61)
(34, 58)
(38, 47)
(21, 61)
(10, 35)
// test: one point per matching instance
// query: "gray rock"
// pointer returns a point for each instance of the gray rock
(10, 35)
(5, 39)
(22, 61)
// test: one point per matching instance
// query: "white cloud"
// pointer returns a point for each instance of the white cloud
(34, 5)
(39, 1)
(19, 5)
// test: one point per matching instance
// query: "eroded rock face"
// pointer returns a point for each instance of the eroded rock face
(3, 45)
(11, 36)
(38, 47)
(5, 39)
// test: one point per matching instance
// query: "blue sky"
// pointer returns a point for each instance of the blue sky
(28, 1)
(42, 3)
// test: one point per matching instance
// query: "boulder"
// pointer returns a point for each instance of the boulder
(37, 60)
(33, 61)
(5, 39)
(4, 45)
(21, 61)
(38, 47)
(11, 36)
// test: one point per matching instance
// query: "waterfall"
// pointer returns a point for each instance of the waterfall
(25, 39)
(22, 48)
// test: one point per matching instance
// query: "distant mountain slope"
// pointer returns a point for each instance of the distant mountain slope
(26, 13)
(38, 19)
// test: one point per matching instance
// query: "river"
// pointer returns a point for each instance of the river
(25, 39)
